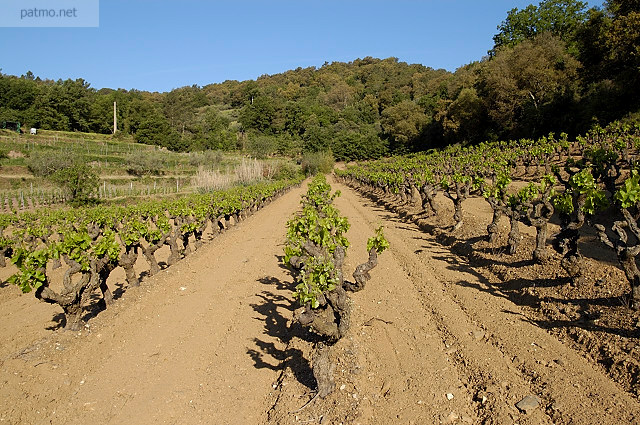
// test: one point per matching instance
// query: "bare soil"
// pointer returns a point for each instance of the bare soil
(448, 330)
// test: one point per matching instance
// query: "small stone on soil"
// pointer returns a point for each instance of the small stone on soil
(449, 396)
(477, 335)
(529, 403)
(452, 418)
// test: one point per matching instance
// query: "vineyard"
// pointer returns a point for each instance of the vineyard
(593, 180)
(578, 202)
(94, 241)
(487, 284)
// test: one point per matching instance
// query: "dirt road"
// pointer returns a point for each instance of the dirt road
(210, 341)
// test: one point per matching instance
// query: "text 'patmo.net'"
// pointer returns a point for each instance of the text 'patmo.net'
(49, 13)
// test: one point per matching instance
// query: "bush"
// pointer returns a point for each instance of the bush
(288, 146)
(119, 135)
(284, 170)
(45, 164)
(79, 181)
(317, 163)
(262, 146)
(148, 163)
(208, 158)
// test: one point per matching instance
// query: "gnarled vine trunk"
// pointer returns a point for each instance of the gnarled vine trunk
(172, 241)
(538, 214)
(127, 260)
(514, 238)
(626, 250)
(498, 212)
(566, 243)
(428, 194)
(361, 273)
(149, 254)
(71, 298)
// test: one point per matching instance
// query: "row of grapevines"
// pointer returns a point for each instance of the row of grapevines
(94, 241)
(570, 180)
(315, 250)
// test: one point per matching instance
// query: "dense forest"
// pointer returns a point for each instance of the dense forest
(557, 66)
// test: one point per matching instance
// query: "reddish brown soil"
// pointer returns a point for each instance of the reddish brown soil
(446, 331)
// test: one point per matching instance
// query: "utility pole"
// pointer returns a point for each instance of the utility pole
(115, 119)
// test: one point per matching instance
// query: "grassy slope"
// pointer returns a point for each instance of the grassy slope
(110, 156)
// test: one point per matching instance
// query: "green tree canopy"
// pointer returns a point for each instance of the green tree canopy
(561, 18)
(404, 122)
(521, 84)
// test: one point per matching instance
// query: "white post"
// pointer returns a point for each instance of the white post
(115, 119)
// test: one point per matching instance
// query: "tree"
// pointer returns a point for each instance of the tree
(216, 131)
(461, 118)
(155, 130)
(180, 105)
(610, 52)
(79, 181)
(262, 146)
(365, 143)
(622, 41)
(74, 99)
(561, 18)
(404, 123)
(258, 115)
(317, 135)
(47, 114)
(249, 92)
(101, 110)
(19, 93)
(523, 85)
(340, 94)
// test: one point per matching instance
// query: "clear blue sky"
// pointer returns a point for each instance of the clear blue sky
(161, 45)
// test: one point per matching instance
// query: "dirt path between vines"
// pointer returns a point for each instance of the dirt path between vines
(210, 341)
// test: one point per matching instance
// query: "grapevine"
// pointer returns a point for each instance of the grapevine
(315, 251)
(571, 180)
(95, 241)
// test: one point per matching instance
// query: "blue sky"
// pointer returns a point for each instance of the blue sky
(161, 45)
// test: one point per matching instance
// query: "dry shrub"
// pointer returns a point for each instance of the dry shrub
(210, 180)
(247, 172)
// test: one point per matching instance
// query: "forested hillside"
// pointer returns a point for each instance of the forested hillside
(557, 66)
